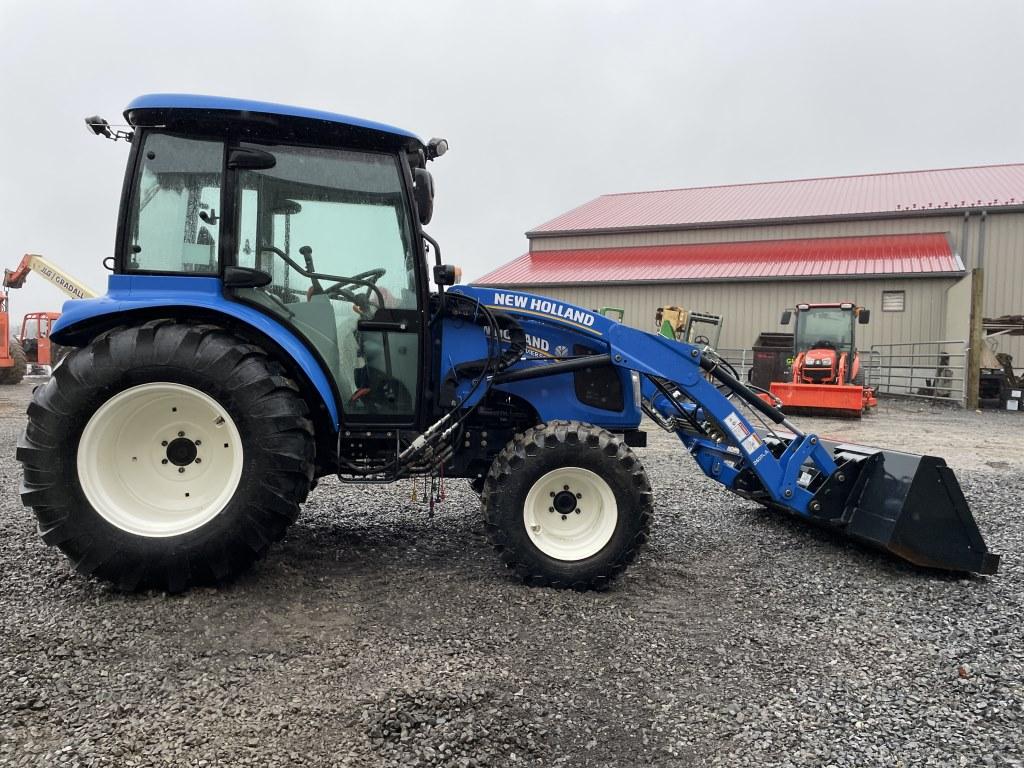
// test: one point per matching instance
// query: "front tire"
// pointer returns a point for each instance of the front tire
(166, 455)
(567, 505)
(16, 372)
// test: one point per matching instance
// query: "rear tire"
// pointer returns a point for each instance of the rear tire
(567, 505)
(58, 353)
(16, 372)
(114, 447)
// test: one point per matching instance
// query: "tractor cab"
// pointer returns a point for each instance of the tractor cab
(824, 342)
(35, 338)
(310, 219)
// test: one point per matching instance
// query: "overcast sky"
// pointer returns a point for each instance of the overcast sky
(546, 105)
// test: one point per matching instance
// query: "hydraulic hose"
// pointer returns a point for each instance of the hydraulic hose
(746, 394)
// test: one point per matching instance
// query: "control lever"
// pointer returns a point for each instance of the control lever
(307, 254)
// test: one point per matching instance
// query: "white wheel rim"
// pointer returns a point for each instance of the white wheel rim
(564, 533)
(139, 479)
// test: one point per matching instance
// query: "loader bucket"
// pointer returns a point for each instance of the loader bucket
(909, 505)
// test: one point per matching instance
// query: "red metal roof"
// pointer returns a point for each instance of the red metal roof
(876, 255)
(990, 186)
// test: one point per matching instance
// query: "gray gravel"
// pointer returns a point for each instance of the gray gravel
(376, 636)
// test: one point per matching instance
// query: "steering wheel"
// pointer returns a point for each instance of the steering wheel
(702, 340)
(341, 289)
(823, 344)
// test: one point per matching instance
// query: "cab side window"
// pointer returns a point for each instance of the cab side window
(175, 214)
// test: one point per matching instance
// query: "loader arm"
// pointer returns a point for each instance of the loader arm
(909, 505)
(32, 262)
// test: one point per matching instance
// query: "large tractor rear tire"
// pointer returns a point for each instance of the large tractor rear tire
(15, 373)
(567, 505)
(166, 455)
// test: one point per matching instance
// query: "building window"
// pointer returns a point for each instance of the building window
(893, 301)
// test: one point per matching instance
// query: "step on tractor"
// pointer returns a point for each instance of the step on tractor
(826, 376)
(270, 320)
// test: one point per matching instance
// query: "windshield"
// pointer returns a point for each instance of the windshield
(335, 212)
(824, 327)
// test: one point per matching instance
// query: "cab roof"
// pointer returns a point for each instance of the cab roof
(168, 103)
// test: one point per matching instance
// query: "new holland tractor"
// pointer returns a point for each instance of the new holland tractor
(270, 320)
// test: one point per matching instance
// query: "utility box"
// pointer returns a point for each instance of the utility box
(773, 353)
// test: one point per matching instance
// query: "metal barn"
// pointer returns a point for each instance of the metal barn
(901, 244)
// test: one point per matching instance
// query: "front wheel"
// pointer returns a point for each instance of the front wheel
(14, 373)
(567, 505)
(166, 455)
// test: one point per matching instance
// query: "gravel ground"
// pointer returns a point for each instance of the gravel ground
(374, 635)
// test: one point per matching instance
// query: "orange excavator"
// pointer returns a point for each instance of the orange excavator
(826, 375)
(32, 346)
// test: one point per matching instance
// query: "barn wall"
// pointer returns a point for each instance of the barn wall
(997, 245)
(1003, 260)
(752, 307)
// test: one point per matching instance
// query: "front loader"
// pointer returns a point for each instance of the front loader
(270, 320)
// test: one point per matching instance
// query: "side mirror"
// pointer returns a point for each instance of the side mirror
(423, 194)
(864, 316)
(787, 315)
(98, 126)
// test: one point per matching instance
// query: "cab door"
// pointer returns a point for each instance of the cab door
(331, 230)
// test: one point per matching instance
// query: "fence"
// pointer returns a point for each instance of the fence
(932, 370)
(740, 359)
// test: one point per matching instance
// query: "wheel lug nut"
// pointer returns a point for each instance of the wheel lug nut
(565, 487)
(180, 470)
(551, 509)
(564, 517)
(163, 443)
(199, 461)
(578, 511)
(163, 461)
(579, 495)
(552, 494)
(199, 442)
(181, 434)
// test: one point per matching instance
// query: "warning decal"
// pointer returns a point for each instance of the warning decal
(752, 443)
(735, 425)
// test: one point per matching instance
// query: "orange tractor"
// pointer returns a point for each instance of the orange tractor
(825, 374)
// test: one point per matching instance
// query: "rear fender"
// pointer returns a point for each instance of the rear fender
(147, 296)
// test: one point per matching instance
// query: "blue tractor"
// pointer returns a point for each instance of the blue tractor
(270, 320)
